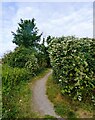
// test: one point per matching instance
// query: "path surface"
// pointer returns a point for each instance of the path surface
(41, 103)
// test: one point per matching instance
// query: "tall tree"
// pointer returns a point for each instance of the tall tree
(27, 34)
(44, 54)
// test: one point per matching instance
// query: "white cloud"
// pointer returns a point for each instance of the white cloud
(79, 23)
(50, 22)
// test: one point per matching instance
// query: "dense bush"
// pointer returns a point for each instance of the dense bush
(18, 57)
(29, 58)
(32, 65)
(11, 78)
(73, 63)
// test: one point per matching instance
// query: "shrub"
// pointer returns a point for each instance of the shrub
(11, 79)
(32, 65)
(17, 58)
(72, 60)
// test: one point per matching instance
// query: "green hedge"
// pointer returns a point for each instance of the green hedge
(73, 63)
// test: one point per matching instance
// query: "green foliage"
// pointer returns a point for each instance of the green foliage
(64, 105)
(11, 77)
(19, 66)
(18, 58)
(61, 105)
(17, 103)
(42, 60)
(26, 58)
(73, 64)
(28, 41)
(71, 116)
(32, 65)
(49, 39)
(43, 54)
(48, 117)
(17, 92)
(26, 34)
(61, 109)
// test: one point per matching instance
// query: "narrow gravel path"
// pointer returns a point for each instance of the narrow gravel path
(41, 103)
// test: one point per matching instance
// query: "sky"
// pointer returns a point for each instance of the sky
(52, 18)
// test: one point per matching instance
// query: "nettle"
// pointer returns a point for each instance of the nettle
(73, 63)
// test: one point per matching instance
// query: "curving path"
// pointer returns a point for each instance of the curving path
(41, 103)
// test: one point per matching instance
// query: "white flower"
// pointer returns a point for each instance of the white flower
(73, 64)
(74, 50)
(79, 98)
(20, 100)
(60, 80)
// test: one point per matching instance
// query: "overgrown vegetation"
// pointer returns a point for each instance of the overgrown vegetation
(19, 100)
(73, 63)
(64, 106)
(26, 61)
(72, 60)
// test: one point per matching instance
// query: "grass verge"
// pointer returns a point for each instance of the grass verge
(25, 95)
(64, 106)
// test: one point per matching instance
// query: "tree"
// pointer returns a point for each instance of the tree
(43, 56)
(27, 34)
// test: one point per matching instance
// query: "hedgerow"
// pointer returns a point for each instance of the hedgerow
(73, 63)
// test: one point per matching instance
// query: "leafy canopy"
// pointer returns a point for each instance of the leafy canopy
(27, 34)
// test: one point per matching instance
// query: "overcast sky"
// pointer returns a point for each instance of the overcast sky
(52, 18)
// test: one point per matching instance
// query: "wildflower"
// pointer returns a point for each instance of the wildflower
(73, 64)
(60, 80)
(73, 50)
(20, 100)
(79, 98)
